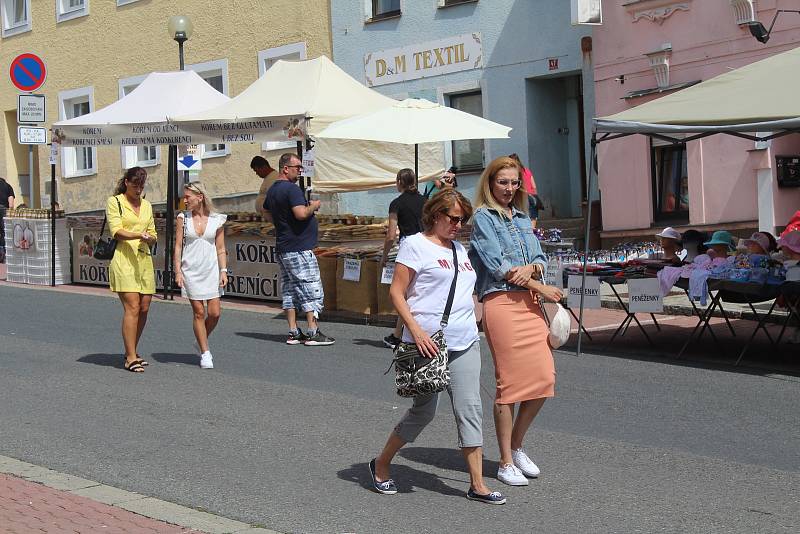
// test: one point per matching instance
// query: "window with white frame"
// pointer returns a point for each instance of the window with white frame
(71, 9)
(468, 155)
(77, 161)
(16, 15)
(137, 156)
(382, 9)
(215, 73)
(267, 58)
(123, 2)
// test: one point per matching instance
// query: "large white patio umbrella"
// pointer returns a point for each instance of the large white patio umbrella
(414, 121)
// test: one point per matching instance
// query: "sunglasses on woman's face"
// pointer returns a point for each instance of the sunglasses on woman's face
(454, 220)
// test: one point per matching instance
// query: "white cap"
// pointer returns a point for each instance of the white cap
(670, 233)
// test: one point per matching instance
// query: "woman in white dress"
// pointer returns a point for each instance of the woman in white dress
(200, 263)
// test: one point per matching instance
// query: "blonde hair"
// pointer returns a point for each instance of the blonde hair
(484, 196)
(199, 189)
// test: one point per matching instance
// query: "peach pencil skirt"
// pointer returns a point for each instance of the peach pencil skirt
(517, 335)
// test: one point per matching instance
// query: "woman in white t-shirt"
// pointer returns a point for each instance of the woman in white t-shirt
(422, 278)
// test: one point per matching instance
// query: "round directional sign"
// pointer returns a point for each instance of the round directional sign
(27, 72)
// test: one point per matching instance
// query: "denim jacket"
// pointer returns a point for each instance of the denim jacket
(498, 244)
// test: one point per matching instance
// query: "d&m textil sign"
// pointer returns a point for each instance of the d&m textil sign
(452, 54)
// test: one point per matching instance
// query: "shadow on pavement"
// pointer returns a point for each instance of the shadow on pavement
(450, 459)
(407, 478)
(171, 357)
(108, 360)
(370, 342)
(263, 336)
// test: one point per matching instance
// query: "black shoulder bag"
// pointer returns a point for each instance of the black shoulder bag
(105, 247)
(416, 375)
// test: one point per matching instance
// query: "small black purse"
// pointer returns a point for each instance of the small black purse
(105, 246)
(417, 375)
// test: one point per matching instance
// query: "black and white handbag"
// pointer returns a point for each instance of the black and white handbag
(417, 375)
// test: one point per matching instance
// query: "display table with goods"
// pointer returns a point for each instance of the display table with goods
(250, 243)
(29, 246)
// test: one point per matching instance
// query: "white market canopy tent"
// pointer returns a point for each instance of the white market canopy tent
(756, 102)
(323, 93)
(142, 116)
(760, 97)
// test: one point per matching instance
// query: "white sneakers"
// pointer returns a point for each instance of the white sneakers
(206, 361)
(517, 474)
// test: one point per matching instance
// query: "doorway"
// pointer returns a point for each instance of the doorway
(18, 165)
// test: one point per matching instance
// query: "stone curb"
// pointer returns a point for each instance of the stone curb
(133, 502)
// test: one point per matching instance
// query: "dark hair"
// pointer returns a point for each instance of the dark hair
(515, 157)
(696, 237)
(441, 202)
(773, 243)
(258, 162)
(136, 175)
(286, 159)
(407, 179)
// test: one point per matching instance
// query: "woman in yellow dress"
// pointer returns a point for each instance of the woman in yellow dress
(131, 276)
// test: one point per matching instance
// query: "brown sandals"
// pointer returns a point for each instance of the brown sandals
(134, 366)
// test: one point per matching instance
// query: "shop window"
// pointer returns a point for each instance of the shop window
(468, 155)
(71, 9)
(215, 73)
(137, 156)
(77, 161)
(16, 15)
(267, 58)
(383, 9)
(670, 183)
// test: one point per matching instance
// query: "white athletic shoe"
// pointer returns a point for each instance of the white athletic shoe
(524, 463)
(206, 361)
(511, 475)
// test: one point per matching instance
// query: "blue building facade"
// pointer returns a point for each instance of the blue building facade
(516, 62)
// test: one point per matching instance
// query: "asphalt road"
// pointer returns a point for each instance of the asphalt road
(279, 436)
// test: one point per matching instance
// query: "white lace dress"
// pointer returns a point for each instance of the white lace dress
(199, 262)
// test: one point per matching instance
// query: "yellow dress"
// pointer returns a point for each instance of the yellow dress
(131, 269)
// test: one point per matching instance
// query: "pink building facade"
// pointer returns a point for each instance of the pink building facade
(647, 49)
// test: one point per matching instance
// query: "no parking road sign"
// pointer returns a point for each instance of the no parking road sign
(27, 72)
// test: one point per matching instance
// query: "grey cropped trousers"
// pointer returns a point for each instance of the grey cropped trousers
(465, 398)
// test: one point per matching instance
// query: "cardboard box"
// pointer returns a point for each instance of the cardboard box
(357, 297)
(385, 306)
(327, 273)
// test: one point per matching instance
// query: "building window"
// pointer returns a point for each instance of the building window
(71, 9)
(446, 3)
(16, 16)
(77, 161)
(123, 2)
(383, 9)
(137, 156)
(670, 183)
(216, 74)
(468, 154)
(267, 58)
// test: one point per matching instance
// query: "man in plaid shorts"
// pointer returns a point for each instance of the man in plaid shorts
(296, 237)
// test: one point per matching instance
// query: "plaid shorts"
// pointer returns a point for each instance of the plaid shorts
(301, 284)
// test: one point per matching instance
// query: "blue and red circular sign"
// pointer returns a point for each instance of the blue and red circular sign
(27, 72)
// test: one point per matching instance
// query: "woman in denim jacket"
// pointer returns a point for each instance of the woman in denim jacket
(509, 263)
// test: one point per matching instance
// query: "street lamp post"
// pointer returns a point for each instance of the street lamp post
(180, 29)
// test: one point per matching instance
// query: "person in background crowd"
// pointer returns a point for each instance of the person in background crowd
(405, 213)
(763, 243)
(693, 244)
(201, 263)
(509, 263)
(130, 273)
(295, 238)
(423, 275)
(721, 244)
(448, 179)
(534, 202)
(793, 224)
(268, 176)
(6, 203)
(670, 241)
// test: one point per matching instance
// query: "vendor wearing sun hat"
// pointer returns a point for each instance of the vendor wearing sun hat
(721, 243)
(670, 240)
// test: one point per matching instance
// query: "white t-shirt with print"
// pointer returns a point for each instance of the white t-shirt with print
(427, 293)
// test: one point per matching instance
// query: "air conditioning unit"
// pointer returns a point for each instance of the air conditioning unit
(788, 171)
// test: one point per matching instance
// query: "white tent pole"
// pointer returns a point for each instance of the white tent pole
(587, 223)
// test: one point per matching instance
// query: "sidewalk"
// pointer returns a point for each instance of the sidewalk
(36, 499)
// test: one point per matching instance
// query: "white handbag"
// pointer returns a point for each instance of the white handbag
(559, 328)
